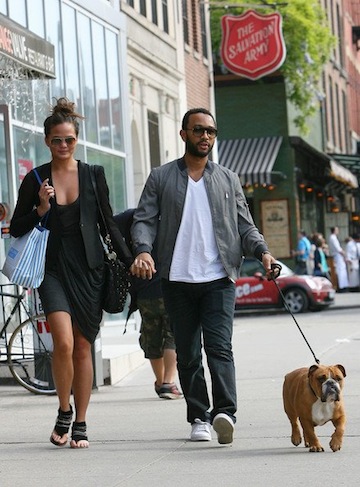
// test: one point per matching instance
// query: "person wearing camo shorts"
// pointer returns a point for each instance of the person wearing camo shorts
(156, 338)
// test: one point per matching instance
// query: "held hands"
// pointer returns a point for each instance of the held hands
(45, 193)
(143, 266)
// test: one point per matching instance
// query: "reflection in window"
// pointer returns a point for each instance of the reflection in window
(17, 11)
(53, 35)
(154, 140)
(3, 7)
(115, 176)
(114, 90)
(71, 58)
(101, 88)
(36, 17)
(87, 78)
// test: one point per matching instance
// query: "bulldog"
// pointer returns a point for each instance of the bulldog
(314, 396)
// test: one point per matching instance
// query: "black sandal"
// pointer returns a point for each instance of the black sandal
(62, 425)
(78, 433)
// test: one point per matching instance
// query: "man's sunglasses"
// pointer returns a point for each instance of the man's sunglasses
(199, 131)
(60, 140)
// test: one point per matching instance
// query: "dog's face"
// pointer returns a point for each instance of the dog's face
(327, 381)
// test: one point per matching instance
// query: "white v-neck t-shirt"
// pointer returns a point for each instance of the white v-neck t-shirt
(196, 256)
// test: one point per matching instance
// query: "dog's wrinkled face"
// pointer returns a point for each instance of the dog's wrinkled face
(327, 381)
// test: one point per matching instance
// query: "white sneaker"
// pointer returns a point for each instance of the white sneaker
(224, 427)
(200, 431)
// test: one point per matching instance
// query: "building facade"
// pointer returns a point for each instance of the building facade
(293, 181)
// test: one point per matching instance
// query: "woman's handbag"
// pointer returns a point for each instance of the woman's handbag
(25, 262)
(116, 286)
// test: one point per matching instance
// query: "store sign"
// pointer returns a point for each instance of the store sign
(252, 44)
(26, 48)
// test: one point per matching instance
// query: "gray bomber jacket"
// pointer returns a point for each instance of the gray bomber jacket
(160, 210)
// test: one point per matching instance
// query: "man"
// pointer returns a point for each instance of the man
(302, 254)
(339, 260)
(198, 212)
(156, 338)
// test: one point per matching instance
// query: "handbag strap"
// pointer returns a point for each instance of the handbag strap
(44, 219)
(107, 238)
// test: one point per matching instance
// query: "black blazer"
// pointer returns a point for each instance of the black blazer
(25, 216)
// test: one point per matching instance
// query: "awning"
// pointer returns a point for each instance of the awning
(331, 168)
(340, 173)
(253, 159)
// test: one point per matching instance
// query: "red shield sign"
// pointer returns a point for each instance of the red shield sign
(252, 44)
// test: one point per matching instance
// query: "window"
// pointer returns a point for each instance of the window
(185, 21)
(194, 17)
(165, 16)
(36, 17)
(154, 12)
(143, 7)
(154, 142)
(130, 2)
(87, 77)
(203, 31)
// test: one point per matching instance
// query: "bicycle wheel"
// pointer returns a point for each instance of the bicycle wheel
(30, 354)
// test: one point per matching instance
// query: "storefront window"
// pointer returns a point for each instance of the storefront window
(3, 7)
(36, 17)
(101, 86)
(115, 176)
(52, 18)
(71, 57)
(87, 78)
(17, 11)
(114, 90)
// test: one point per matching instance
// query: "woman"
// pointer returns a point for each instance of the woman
(71, 293)
(321, 267)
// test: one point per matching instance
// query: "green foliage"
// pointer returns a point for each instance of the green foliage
(308, 42)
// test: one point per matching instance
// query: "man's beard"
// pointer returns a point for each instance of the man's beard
(194, 150)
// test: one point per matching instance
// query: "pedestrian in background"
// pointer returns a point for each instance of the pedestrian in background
(339, 261)
(302, 254)
(156, 338)
(72, 290)
(321, 267)
(198, 212)
(352, 261)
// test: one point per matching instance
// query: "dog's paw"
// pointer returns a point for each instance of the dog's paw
(335, 445)
(316, 448)
(296, 440)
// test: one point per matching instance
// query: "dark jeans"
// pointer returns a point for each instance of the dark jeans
(206, 311)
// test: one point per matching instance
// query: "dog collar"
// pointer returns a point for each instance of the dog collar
(312, 390)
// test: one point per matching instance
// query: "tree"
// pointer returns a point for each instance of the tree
(308, 42)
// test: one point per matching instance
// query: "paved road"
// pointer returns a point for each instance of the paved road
(138, 440)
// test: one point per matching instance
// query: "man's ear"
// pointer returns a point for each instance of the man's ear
(183, 135)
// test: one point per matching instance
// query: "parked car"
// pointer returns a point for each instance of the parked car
(302, 293)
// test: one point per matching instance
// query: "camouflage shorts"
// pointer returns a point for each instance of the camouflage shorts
(155, 332)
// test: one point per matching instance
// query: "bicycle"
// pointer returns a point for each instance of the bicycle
(26, 345)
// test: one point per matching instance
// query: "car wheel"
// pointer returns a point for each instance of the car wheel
(296, 300)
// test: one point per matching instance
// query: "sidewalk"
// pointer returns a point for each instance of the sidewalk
(138, 440)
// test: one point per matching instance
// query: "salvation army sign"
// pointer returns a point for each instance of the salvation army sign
(252, 44)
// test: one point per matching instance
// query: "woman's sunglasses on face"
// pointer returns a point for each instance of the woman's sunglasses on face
(59, 140)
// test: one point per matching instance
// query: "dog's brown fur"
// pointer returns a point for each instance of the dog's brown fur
(314, 396)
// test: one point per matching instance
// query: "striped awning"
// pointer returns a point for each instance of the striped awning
(252, 159)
